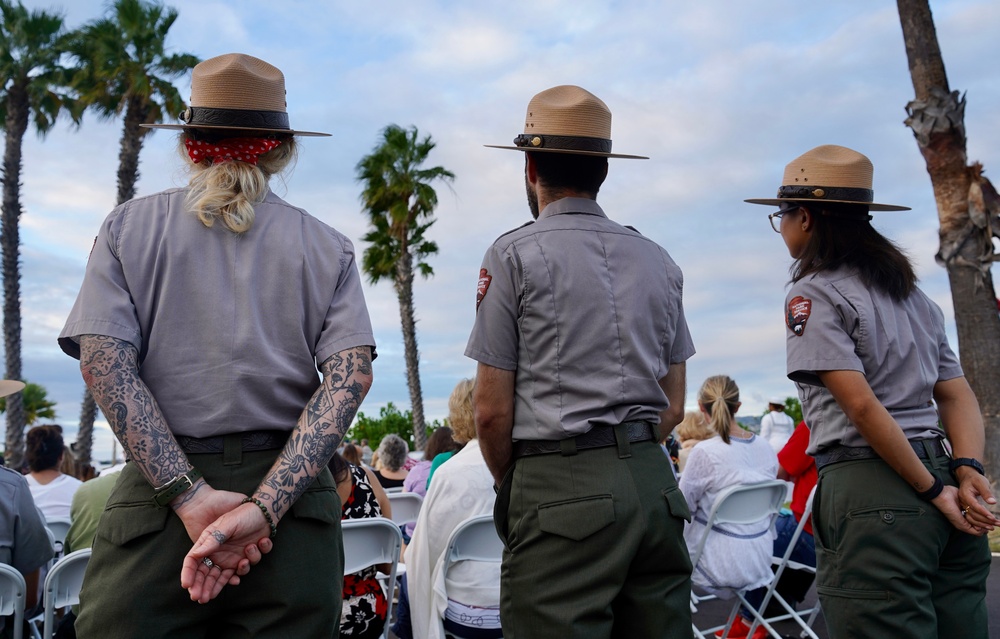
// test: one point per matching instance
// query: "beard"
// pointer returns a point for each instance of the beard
(532, 198)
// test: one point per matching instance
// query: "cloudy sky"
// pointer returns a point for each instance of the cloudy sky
(720, 94)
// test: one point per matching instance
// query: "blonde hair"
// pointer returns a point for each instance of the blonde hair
(720, 397)
(694, 426)
(460, 414)
(228, 191)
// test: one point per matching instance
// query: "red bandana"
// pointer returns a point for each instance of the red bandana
(246, 150)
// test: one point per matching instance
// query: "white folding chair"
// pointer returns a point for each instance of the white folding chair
(405, 507)
(12, 593)
(368, 542)
(62, 587)
(393, 490)
(783, 563)
(59, 527)
(475, 539)
(741, 504)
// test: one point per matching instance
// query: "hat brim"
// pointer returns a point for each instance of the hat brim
(10, 386)
(872, 206)
(569, 152)
(182, 127)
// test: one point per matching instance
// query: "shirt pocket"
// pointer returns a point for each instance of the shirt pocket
(577, 519)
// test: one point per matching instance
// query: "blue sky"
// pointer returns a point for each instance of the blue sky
(720, 95)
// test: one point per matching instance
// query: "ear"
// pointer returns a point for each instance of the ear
(738, 404)
(530, 169)
(807, 218)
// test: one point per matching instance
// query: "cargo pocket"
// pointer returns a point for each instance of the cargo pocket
(130, 512)
(320, 502)
(577, 519)
(501, 507)
(677, 504)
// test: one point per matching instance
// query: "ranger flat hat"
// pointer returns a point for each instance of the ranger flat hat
(10, 386)
(237, 92)
(829, 173)
(567, 119)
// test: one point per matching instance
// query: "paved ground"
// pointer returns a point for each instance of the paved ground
(713, 613)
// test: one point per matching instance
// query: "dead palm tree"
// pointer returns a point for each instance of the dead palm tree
(123, 69)
(399, 200)
(30, 49)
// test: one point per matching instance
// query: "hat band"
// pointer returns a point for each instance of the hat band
(861, 196)
(235, 118)
(563, 143)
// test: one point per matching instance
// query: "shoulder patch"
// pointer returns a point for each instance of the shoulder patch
(484, 285)
(799, 309)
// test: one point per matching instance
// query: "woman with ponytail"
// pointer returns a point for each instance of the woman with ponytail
(224, 333)
(739, 556)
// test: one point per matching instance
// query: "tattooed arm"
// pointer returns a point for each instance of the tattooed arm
(347, 376)
(110, 369)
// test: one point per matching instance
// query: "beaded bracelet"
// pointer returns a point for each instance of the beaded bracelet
(933, 491)
(267, 515)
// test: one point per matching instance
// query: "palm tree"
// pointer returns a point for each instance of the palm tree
(400, 201)
(36, 402)
(124, 68)
(30, 47)
(968, 212)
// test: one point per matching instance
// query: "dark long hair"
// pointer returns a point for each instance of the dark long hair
(844, 236)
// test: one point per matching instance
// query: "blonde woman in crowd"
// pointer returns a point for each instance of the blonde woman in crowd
(736, 556)
(692, 430)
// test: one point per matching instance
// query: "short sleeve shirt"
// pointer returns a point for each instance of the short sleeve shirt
(835, 322)
(588, 313)
(24, 544)
(229, 328)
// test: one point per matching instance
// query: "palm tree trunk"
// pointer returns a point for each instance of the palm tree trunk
(404, 292)
(16, 124)
(128, 174)
(937, 119)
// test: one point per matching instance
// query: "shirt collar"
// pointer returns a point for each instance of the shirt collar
(569, 205)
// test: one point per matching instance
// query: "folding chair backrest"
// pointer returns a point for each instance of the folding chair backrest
(59, 528)
(474, 539)
(62, 586)
(405, 506)
(743, 504)
(12, 593)
(375, 540)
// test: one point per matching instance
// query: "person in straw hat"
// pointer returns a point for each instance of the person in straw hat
(203, 316)
(581, 343)
(868, 352)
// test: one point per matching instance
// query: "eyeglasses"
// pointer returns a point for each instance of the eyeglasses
(775, 218)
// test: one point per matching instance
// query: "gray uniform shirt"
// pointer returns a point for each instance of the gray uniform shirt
(229, 327)
(24, 544)
(588, 313)
(836, 323)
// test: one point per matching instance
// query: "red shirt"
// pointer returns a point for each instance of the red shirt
(802, 470)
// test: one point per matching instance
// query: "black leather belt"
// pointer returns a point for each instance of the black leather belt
(596, 437)
(853, 453)
(249, 441)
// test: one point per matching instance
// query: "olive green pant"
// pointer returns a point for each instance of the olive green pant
(594, 546)
(132, 585)
(891, 565)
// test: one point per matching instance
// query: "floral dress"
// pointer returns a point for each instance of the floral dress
(364, 607)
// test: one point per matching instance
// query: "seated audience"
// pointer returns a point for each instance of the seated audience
(736, 556)
(353, 455)
(798, 467)
(392, 455)
(24, 543)
(692, 430)
(364, 606)
(51, 489)
(462, 488)
(439, 442)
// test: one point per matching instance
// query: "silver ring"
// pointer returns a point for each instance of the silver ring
(207, 562)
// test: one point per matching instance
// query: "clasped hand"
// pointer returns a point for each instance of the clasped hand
(964, 508)
(231, 535)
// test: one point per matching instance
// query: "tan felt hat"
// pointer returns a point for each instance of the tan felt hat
(10, 386)
(236, 91)
(829, 173)
(567, 119)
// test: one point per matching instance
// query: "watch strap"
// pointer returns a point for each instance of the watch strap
(966, 461)
(173, 488)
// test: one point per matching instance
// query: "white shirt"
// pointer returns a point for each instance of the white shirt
(777, 427)
(54, 498)
(728, 562)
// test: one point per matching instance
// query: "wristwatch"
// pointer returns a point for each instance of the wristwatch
(167, 492)
(966, 461)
